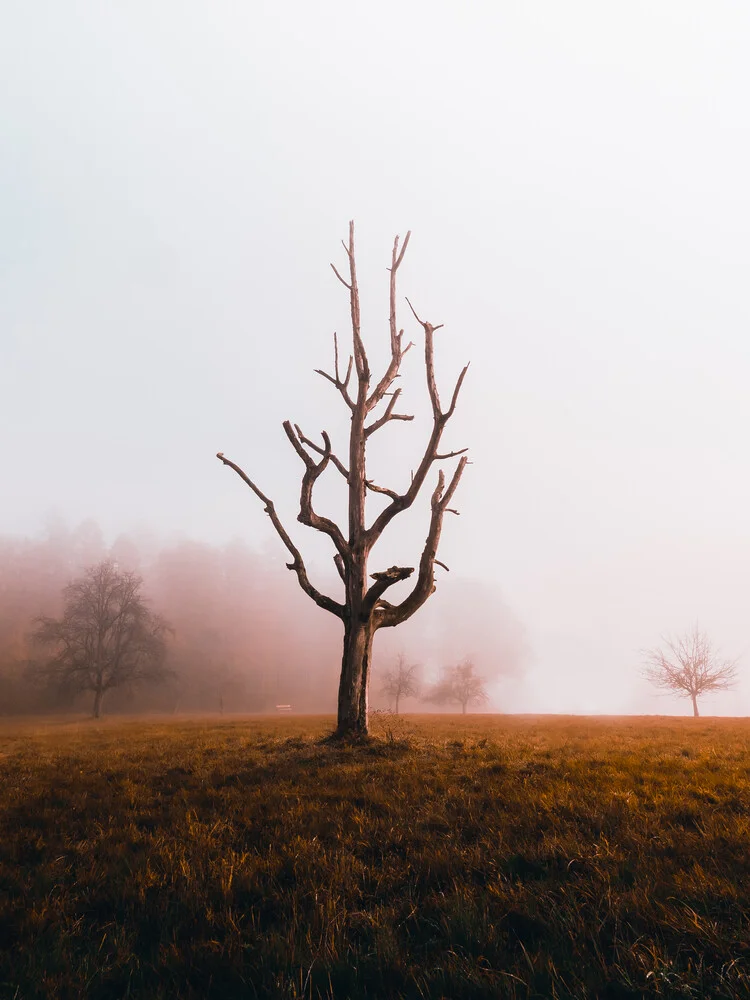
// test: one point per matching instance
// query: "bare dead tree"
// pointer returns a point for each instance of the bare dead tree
(364, 608)
(107, 636)
(689, 665)
(401, 681)
(459, 684)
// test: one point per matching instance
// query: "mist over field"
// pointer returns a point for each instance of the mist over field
(175, 179)
(241, 638)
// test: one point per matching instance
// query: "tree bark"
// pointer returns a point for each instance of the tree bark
(355, 679)
(696, 713)
(98, 693)
(397, 697)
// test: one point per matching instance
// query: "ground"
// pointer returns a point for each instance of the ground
(477, 856)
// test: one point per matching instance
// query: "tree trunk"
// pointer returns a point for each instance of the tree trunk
(397, 697)
(98, 693)
(355, 679)
(463, 708)
(696, 713)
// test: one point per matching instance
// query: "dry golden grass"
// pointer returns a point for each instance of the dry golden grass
(477, 856)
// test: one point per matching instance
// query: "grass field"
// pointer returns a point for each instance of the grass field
(477, 856)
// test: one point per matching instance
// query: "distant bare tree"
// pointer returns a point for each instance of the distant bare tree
(401, 681)
(460, 685)
(689, 665)
(107, 637)
(364, 609)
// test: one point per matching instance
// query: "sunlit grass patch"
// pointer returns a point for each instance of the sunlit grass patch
(452, 856)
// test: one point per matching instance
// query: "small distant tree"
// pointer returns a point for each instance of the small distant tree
(401, 681)
(459, 684)
(689, 665)
(107, 637)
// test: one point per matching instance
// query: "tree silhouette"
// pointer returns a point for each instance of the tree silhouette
(401, 681)
(459, 684)
(106, 637)
(364, 608)
(690, 666)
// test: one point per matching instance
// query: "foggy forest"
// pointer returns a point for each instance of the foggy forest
(243, 639)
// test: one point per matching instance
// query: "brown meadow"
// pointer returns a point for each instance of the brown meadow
(476, 856)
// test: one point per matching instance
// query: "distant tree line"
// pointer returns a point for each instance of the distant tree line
(228, 642)
(214, 628)
(457, 684)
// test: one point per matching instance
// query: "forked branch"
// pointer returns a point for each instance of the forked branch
(342, 468)
(431, 454)
(341, 384)
(397, 336)
(383, 581)
(360, 356)
(313, 470)
(389, 615)
(297, 564)
(388, 415)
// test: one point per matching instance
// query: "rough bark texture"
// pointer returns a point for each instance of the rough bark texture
(355, 674)
(364, 609)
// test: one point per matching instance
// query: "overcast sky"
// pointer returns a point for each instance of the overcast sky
(176, 176)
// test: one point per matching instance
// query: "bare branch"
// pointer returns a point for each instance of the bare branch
(421, 322)
(383, 581)
(335, 379)
(381, 489)
(321, 451)
(339, 562)
(450, 454)
(439, 421)
(297, 564)
(336, 355)
(360, 355)
(331, 378)
(414, 311)
(341, 467)
(454, 400)
(344, 283)
(388, 415)
(397, 336)
(313, 470)
(391, 615)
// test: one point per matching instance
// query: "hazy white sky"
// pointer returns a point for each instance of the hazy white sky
(176, 176)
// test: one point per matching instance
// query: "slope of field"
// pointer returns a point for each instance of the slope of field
(478, 856)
